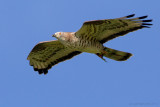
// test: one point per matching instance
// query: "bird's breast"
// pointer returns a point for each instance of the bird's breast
(88, 44)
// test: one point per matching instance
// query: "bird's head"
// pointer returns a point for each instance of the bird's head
(60, 35)
(65, 36)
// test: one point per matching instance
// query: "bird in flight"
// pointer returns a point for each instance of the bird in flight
(89, 38)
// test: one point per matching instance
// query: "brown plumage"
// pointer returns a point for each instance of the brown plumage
(89, 38)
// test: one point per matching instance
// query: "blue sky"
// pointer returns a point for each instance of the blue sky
(85, 80)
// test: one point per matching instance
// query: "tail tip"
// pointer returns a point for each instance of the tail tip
(127, 56)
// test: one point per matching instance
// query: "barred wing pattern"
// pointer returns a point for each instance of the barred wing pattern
(105, 30)
(47, 54)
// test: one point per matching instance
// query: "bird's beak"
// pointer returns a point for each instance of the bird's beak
(53, 35)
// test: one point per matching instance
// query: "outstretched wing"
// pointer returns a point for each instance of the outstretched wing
(46, 54)
(105, 30)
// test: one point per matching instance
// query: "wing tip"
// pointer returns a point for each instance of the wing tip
(143, 17)
(142, 20)
(41, 71)
(146, 25)
(149, 20)
(131, 15)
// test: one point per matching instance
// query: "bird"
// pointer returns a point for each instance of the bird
(89, 38)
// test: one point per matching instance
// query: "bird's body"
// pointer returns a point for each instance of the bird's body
(90, 38)
(82, 43)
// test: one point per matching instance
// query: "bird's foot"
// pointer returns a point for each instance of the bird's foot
(101, 56)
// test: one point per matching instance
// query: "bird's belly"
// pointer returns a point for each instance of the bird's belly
(90, 47)
(85, 45)
(91, 50)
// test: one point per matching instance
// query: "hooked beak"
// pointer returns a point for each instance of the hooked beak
(53, 35)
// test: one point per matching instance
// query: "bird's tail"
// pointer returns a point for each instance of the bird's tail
(115, 54)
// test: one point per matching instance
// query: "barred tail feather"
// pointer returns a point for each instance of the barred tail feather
(116, 55)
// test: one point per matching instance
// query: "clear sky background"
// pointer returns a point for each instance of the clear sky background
(85, 80)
